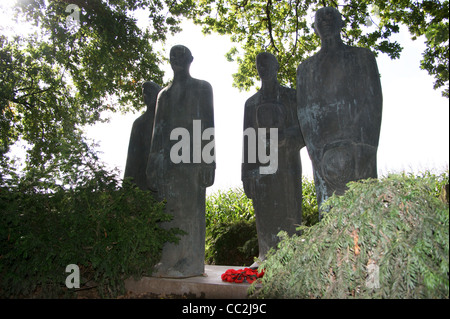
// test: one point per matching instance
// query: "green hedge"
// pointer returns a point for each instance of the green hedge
(231, 237)
(227, 207)
(110, 230)
(386, 238)
(233, 243)
(230, 229)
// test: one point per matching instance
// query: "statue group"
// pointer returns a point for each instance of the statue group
(335, 111)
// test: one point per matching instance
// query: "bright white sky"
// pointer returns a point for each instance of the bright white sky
(415, 124)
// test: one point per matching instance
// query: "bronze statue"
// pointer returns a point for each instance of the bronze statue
(141, 137)
(339, 106)
(273, 183)
(180, 169)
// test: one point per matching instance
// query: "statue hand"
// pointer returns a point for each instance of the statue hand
(207, 176)
(249, 187)
(154, 171)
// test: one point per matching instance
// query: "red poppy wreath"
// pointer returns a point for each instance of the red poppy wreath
(241, 275)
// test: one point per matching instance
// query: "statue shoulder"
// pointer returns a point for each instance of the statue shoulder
(307, 64)
(141, 119)
(367, 60)
(202, 84)
(364, 53)
(287, 90)
(252, 100)
(163, 92)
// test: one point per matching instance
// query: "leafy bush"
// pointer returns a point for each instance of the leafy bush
(232, 243)
(230, 206)
(386, 238)
(310, 209)
(230, 229)
(109, 230)
(231, 237)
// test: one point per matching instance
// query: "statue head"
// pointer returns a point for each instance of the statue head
(267, 65)
(328, 22)
(150, 92)
(180, 58)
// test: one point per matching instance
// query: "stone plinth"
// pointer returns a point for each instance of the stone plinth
(209, 286)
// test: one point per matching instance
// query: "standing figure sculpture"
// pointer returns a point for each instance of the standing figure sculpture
(141, 137)
(276, 188)
(339, 106)
(184, 108)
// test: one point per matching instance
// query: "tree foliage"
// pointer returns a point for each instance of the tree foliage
(285, 28)
(58, 78)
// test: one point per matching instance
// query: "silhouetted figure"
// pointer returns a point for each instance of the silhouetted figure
(141, 137)
(339, 108)
(274, 184)
(180, 169)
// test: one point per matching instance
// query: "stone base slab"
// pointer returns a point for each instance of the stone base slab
(209, 286)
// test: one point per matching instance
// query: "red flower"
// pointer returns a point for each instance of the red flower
(238, 276)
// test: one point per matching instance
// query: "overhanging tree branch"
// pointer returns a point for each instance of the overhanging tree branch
(269, 24)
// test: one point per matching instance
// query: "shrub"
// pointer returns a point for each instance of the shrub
(310, 209)
(109, 230)
(230, 206)
(232, 243)
(386, 238)
(230, 229)
(231, 237)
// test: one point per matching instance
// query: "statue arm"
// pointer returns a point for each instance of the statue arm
(300, 89)
(207, 110)
(301, 97)
(293, 131)
(155, 162)
(248, 169)
(374, 99)
(376, 84)
(130, 168)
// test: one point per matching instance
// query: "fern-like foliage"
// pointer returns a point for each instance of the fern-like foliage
(386, 238)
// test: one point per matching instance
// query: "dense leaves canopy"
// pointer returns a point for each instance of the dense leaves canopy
(63, 76)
